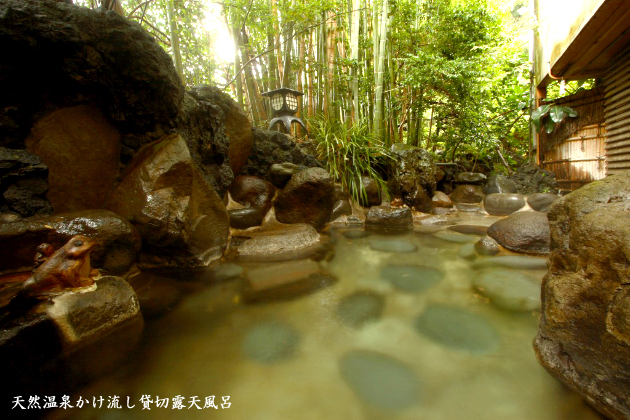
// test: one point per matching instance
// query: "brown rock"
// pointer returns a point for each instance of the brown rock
(82, 152)
(503, 204)
(584, 338)
(487, 246)
(468, 194)
(523, 231)
(118, 242)
(389, 218)
(372, 193)
(252, 191)
(342, 207)
(470, 229)
(440, 199)
(245, 218)
(307, 198)
(179, 215)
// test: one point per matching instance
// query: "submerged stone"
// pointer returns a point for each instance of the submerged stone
(509, 289)
(470, 229)
(455, 237)
(487, 246)
(380, 380)
(411, 278)
(512, 261)
(467, 252)
(392, 245)
(270, 342)
(356, 234)
(360, 308)
(458, 329)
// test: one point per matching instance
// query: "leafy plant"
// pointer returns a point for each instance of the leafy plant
(349, 152)
(549, 115)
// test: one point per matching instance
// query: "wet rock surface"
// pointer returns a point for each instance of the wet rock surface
(411, 278)
(118, 241)
(245, 218)
(469, 178)
(280, 243)
(441, 200)
(413, 177)
(372, 193)
(509, 290)
(499, 183)
(307, 198)
(281, 173)
(389, 218)
(253, 192)
(179, 215)
(530, 178)
(541, 201)
(458, 329)
(503, 204)
(360, 308)
(23, 183)
(380, 380)
(487, 246)
(584, 337)
(465, 193)
(341, 208)
(525, 231)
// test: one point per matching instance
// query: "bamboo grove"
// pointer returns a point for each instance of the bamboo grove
(451, 76)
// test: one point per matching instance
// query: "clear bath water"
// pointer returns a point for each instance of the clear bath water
(365, 348)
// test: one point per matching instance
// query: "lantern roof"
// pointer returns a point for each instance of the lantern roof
(282, 91)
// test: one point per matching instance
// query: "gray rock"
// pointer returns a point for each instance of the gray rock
(413, 177)
(270, 342)
(372, 193)
(487, 246)
(509, 290)
(530, 178)
(392, 245)
(389, 218)
(23, 183)
(503, 204)
(380, 380)
(118, 241)
(584, 335)
(280, 173)
(245, 218)
(341, 208)
(458, 329)
(525, 231)
(499, 183)
(411, 278)
(307, 198)
(541, 201)
(360, 308)
(470, 178)
(465, 193)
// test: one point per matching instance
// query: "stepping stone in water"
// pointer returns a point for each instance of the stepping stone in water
(360, 308)
(392, 245)
(458, 329)
(411, 278)
(470, 229)
(509, 289)
(467, 252)
(270, 342)
(512, 261)
(356, 234)
(455, 237)
(380, 380)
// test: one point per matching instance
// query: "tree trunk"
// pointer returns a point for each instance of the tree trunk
(177, 58)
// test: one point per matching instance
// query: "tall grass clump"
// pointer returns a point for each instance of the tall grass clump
(350, 152)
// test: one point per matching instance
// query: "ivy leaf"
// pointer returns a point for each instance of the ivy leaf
(557, 114)
(549, 125)
(570, 111)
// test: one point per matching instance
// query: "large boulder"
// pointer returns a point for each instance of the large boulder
(584, 335)
(309, 197)
(271, 147)
(254, 192)
(389, 218)
(523, 231)
(23, 183)
(370, 194)
(118, 242)
(466, 193)
(499, 183)
(531, 178)
(179, 215)
(503, 204)
(413, 177)
(541, 201)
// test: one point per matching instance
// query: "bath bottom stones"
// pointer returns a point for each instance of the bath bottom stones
(411, 278)
(360, 308)
(512, 261)
(380, 380)
(457, 238)
(356, 234)
(470, 229)
(509, 289)
(392, 245)
(458, 329)
(270, 342)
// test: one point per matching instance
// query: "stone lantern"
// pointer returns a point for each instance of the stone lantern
(284, 104)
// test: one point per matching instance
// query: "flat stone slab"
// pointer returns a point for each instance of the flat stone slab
(270, 342)
(508, 289)
(457, 238)
(359, 308)
(411, 278)
(392, 245)
(458, 329)
(512, 261)
(280, 243)
(380, 380)
(470, 229)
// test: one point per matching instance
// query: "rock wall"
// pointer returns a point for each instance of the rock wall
(584, 336)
